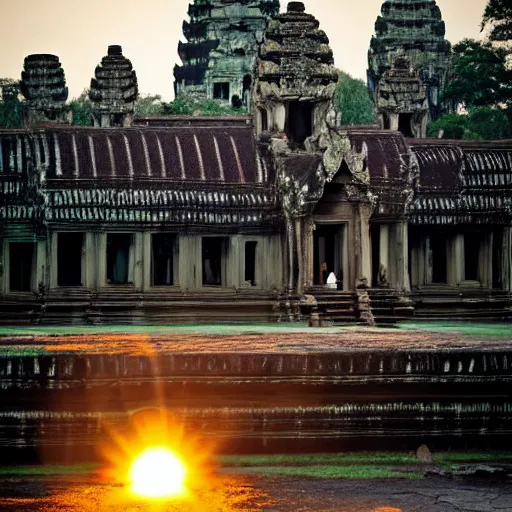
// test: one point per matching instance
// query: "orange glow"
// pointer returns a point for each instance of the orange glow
(157, 457)
(158, 473)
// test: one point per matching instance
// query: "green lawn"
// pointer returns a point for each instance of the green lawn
(357, 465)
(467, 328)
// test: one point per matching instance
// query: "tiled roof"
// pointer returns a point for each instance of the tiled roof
(214, 155)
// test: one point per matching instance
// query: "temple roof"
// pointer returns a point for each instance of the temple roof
(210, 155)
(463, 181)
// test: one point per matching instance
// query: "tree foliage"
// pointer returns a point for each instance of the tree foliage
(81, 108)
(187, 105)
(498, 14)
(149, 105)
(481, 123)
(353, 101)
(11, 115)
(479, 76)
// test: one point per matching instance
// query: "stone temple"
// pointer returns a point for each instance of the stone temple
(280, 215)
(223, 38)
(409, 35)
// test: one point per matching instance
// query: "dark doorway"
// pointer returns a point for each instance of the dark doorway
(118, 258)
(221, 91)
(328, 253)
(387, 124)
(163, 254)
(213, 258)
(299, 125)
(471, 256)
(497, 258)
(246, 89)
(264, 120)
(375, 238)
(21, 260)
(69, 259)
(250, 263)
(405, 124)
(438, 246)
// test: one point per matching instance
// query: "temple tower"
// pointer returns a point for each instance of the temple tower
(295, 76)
(223, 37)
(114, 90)
(409, 31)
(43, 84)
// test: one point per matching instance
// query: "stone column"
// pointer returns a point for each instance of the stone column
(234, 262)
(366, 247)
(459, 258)
(138, 270)
(393, 122)
(300, 256)
(402, 261)
(507, 259)
(4, 266)
(384, 248)
(146, 261)
(101, 260)
(290, 245)
(309, 271)
(91, 260)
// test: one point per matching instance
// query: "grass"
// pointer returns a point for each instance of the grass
(213, 329)
(498, 330)
(361, 458)
(350, 472)
(357, 465)
(79, 469)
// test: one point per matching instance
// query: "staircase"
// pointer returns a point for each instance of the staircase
(442, 304)
(334, 307)
(389, 306)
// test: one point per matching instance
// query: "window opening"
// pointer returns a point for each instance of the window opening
(497, 258)
(69, 259)
(300, 121)
(221, 91)
(438, 246)
(21, 259)
(471, 257)
(212, 259)
(119, 248)
(405, 124)
(250, 263)
(164, 249)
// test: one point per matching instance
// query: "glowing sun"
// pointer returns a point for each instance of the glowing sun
(158, 473)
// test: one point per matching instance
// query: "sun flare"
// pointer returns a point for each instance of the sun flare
(158, 473)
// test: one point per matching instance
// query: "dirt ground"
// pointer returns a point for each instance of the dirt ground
(253, 493)
(146, 344)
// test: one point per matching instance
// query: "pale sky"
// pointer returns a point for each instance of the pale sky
(79, 33)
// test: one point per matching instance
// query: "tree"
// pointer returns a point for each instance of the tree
(479, 76)
(353, 101)
(81, 108)
(11, 115)
(186, 105)
(149, 105)
(498, 14)
(481, 123)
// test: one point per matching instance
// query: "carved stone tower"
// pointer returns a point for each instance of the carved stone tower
(295, 76)
(409, 31)
(223, 37)
(43, 84)
(402, 100)
(114, 90)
